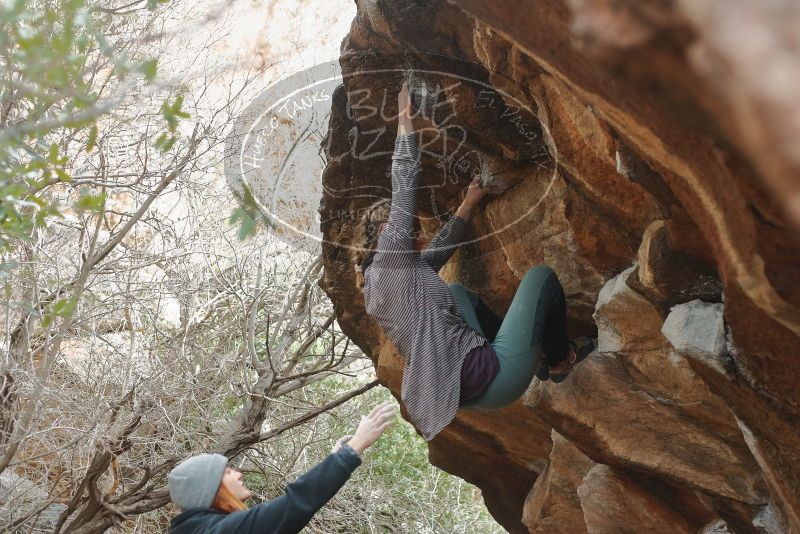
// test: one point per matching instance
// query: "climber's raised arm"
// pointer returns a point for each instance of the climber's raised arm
(404, 111)
(474, 194)
(211, 495)
(399, 232)
(454, 232)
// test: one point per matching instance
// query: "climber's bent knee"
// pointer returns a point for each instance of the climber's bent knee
(539, 270)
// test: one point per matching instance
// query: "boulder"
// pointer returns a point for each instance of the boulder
(553, 505)
(614, 502)
(625, 319)
(646, 152)
(697, 329)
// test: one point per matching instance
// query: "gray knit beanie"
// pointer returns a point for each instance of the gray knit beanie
(194, 482)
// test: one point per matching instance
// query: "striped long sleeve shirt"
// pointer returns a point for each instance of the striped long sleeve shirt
(414, 306)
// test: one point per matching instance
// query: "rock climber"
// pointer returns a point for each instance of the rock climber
(457, 352)
(212, 495)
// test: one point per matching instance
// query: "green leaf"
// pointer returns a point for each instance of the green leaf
(63, 307)
(161, 139)
(92, 142)
(91, 202)
(164, 142)
(247, 226)
(176, 107)
(169, 144)
(62, 175)
(149, 69)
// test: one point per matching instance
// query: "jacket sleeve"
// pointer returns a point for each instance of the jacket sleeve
(292, 511)
(450, 235)
(397, 238)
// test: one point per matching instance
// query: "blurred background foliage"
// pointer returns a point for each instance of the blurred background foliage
(96, 121)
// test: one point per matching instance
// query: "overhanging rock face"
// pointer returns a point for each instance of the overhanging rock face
(647, 152)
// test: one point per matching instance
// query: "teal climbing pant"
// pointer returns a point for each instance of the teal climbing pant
(536, 318)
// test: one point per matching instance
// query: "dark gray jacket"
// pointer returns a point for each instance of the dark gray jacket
(287, 514)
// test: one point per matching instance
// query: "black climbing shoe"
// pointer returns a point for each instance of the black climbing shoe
(543, 370)
(581, 347)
